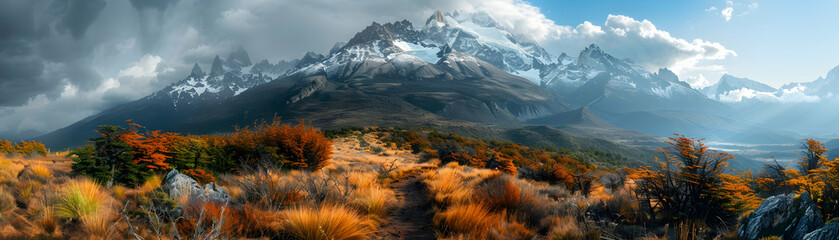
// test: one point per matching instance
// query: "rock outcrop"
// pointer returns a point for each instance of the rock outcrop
(178, 185)
(830, 231)
(782, 215)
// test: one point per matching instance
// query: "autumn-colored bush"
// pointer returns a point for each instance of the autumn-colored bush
(230, 221)
(296, 147)
(6, 147)
(203, 177)
(27, 148)
(325, 222)
(690, 183)
(151, 149)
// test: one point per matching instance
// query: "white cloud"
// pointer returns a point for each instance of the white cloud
(726, 13)
(792, 95)
(731, 9)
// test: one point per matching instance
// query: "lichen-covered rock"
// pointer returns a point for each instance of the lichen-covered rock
(178, 185)
(782, 215)
(828, 232)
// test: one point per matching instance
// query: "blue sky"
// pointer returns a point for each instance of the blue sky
(777, 42)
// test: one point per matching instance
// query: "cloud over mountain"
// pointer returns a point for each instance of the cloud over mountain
(73, 58)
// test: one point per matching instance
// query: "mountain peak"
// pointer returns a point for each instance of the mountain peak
(308, 59)
(833, 74)
(439, 18)
(593, 48)
(668, 75)
(239, 57)
(372, 33)
(196, 71)
(217, 68)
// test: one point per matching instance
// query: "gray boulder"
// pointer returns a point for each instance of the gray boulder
(782, 215)
(178, 185)
(828, 232)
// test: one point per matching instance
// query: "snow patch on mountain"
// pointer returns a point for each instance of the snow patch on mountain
(428, 54)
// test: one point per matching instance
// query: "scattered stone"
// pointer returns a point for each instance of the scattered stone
(178, 185)
(782, 215)
(828, 232)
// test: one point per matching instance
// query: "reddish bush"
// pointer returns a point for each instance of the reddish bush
(200, 175)
(298, 147)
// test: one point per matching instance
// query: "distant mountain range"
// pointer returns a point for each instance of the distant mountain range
(464, 71)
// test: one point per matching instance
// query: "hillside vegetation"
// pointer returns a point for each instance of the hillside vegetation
(277, 181)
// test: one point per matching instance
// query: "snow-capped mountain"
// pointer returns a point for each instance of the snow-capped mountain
(823, 88)
(479, 35)
(735, 90)
(604, 82)
(395, 52)
(730, 88)
(474, 34)
(225, 79)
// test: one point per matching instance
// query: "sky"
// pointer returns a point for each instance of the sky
(64, 60)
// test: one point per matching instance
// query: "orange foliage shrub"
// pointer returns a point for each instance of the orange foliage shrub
(6, 147)
(244, 221)
(690, 184)
(200, 175)
(28, 148)
(151, 148)
(298, 146)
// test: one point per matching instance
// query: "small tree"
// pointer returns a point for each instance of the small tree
(109, 160)
(690, 183)
(810, 176)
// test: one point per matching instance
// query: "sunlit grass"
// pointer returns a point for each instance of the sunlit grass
(80, 197)
(325, 222)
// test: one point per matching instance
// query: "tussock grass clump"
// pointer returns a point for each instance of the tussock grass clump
(79, 198)
(7, 201)
(474, 220)
(99, 225)
(41, 172)
(327, 222)
(374, 200)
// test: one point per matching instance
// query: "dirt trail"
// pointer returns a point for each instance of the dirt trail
(410, 217)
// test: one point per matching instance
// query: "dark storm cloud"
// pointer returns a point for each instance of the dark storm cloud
(63, 60)
(152, 4)
(77, 15)
(36, 60)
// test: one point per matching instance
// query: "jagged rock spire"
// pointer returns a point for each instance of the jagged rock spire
(373, 32)
(240, 57)
(196, 71)
(217, 69)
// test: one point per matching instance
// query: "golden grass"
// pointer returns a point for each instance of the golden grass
(374, 200)
(151, 184)
(7, 201)
(46, 222)
(99, 224)
(81, 197)
(326, 222)
(565, 228)
(41, 172)
(474, 220)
